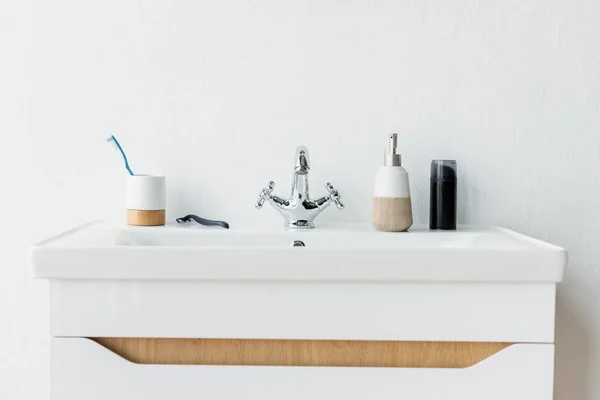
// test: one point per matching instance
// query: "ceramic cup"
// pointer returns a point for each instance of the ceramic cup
(146, 200)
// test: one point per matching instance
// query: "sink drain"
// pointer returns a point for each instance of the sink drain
(298, 243)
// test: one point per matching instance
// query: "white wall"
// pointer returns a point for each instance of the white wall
(216, 95)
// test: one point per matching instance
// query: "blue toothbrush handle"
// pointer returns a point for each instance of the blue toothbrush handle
(202, 221)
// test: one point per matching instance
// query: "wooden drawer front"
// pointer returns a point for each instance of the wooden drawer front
(305, 353)
(510, 313)
(83, 369)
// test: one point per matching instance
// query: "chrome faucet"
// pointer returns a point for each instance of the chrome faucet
(299, 210)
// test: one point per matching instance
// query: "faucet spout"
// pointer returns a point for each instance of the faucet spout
(302, 161)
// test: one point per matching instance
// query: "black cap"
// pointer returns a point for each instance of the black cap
(443, 170)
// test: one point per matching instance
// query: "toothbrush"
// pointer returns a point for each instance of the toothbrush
(115, 143)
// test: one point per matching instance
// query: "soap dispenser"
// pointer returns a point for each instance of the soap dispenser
(392, 209)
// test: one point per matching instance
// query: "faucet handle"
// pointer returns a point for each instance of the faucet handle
(334, 195)
(264, 194)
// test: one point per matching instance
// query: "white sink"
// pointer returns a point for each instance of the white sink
(332, 252)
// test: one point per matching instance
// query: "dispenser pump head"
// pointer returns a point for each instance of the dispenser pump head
(392, 158)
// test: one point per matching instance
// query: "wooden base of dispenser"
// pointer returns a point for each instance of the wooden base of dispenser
(392, 214)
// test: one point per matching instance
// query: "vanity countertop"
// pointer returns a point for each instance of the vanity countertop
(333, 252)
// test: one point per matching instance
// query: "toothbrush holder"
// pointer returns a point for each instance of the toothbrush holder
(146, 200)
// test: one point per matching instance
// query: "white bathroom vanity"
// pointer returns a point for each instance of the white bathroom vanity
(185, 314)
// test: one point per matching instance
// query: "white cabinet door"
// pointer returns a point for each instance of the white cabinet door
(83, 369)
(411, 311)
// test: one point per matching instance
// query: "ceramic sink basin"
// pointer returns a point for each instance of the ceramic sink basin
(332, 252)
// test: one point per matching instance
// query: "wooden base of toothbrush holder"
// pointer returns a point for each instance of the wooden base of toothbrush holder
(146, 217)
